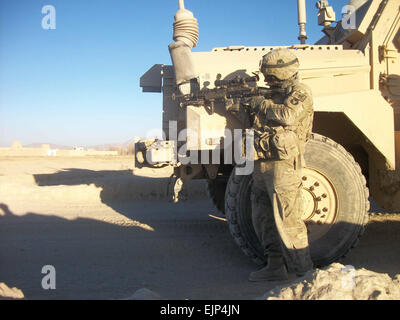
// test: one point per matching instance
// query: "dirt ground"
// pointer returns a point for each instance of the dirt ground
(109, 230)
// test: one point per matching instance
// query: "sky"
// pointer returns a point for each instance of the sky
(78, 84)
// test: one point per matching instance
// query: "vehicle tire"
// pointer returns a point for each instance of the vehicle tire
(335, 197)
(216, 191)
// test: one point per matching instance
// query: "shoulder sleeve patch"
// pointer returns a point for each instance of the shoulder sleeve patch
(299, 95)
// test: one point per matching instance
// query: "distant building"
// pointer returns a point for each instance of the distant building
(45, 150)
(52, 152)
(16, 145)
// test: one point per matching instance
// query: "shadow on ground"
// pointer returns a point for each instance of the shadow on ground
(118, 185)
(193, 259)
(187, 255)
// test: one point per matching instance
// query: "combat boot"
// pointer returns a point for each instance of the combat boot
(275, 270)
(304, 262)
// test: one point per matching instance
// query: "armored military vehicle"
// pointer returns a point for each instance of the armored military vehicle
(354, 153)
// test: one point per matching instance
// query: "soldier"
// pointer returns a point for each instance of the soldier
(282, 127)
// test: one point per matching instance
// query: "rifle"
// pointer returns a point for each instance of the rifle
(236, 89)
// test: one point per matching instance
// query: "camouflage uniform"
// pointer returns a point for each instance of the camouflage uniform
(283, 125)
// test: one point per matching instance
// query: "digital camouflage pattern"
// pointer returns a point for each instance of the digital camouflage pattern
(280, 63)
(283, 125)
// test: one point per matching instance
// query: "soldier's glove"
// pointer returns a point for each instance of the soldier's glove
(264, 106)
(232, 106)
(255, 104)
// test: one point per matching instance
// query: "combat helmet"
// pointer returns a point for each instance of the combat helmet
(280, 63)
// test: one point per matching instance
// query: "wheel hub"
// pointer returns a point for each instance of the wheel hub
(319, 203)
